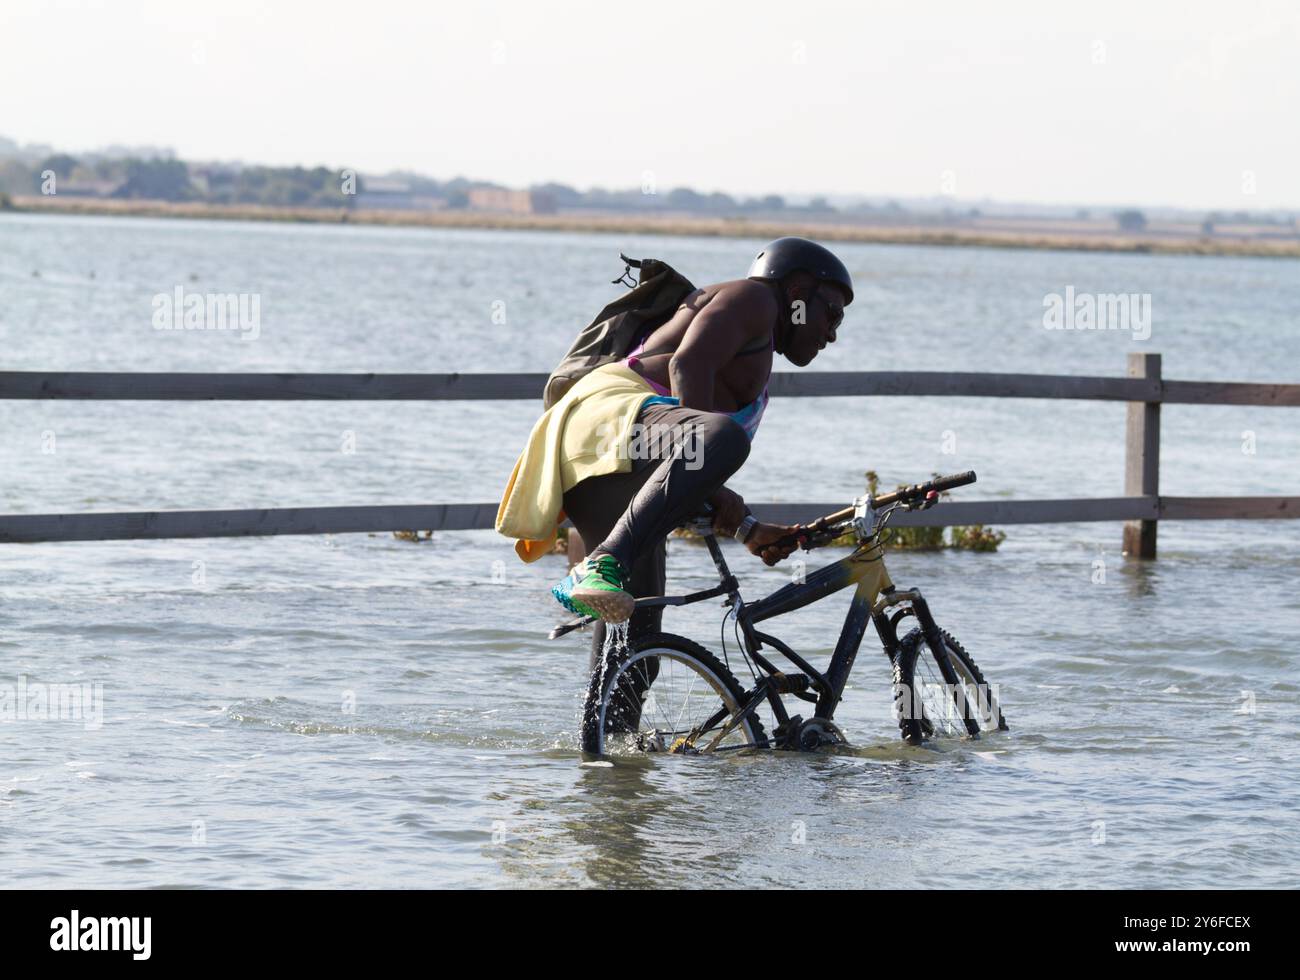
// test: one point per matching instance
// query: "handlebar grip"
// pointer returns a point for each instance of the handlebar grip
(918, 491)
(788, 540)
(952, 482)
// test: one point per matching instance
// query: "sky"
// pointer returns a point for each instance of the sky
(1144, 102)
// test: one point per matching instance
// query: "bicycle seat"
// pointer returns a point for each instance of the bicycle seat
(705, 513)
(700, 520)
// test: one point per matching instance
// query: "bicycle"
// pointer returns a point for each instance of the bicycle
(667, 693)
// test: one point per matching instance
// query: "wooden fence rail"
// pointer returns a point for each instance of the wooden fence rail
(108, 385)
(1144, 390)
(132, 525)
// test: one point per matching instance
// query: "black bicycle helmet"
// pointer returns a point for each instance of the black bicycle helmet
(787, 255)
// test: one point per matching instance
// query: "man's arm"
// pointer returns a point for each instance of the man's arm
(736, 315)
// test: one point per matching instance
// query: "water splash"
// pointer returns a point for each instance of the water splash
(614, 649)
(616, 636)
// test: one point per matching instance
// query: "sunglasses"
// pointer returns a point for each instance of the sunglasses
(834, 311)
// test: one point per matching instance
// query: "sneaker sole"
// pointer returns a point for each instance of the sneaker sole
(578, 609)
(612, 607)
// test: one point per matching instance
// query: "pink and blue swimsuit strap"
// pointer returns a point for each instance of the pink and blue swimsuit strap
(634, 358)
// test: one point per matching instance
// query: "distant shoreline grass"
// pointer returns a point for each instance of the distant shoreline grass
(678, 225)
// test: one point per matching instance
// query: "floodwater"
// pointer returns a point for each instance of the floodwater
(359, 711)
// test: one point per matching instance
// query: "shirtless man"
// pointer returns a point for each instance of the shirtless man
(714, 355)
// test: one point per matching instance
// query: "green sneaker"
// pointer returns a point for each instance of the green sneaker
(597, 587)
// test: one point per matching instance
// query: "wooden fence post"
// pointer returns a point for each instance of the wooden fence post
(1142, 457)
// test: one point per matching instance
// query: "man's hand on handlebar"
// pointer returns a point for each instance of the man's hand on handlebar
(775, 542)
(761, 541)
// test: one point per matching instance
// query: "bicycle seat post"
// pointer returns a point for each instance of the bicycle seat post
(720, 563)
(702, 524)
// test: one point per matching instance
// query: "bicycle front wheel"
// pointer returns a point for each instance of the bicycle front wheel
(665, 693)
(944, 696)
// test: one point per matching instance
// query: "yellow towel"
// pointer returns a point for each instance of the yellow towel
(582, 435)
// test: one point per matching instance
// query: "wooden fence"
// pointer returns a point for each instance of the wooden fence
(1141, 507)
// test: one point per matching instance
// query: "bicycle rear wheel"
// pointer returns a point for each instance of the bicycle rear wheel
(665, 693)
(930, 703)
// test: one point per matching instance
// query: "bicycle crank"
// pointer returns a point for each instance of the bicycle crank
(810, 735)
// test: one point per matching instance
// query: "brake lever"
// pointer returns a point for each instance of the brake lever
(925, 503)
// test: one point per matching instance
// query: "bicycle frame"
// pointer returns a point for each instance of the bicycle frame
(873, 599)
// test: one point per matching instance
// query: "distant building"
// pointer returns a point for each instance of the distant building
(388, 194)
(87, 188)
(512, 202)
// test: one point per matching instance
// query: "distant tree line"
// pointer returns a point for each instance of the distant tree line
(165, 178)
(1131, 220)
(650, 198)
(175, 180)
(280, 186)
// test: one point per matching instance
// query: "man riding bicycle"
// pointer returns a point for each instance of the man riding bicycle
(700, 378)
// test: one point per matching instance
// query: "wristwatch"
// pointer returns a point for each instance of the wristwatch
(746, 528)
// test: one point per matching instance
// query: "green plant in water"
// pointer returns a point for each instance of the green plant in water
(974, 537)
(977, 537)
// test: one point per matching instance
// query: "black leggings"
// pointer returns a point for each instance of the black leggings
(684, 455)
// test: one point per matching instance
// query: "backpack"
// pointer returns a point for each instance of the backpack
(660, 289)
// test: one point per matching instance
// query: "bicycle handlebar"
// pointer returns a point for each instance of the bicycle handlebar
(823, 529)
(919, 491)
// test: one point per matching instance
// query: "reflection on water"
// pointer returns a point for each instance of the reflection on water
(1141, 578)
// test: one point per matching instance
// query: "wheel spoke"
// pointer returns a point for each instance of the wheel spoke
(962, 709)
(655, 710)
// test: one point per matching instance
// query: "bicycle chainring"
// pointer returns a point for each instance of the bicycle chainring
(818, 733)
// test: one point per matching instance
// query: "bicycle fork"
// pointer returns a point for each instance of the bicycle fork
(887, 627)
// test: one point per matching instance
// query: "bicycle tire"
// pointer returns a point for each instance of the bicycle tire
(912, 724)
(616, 662)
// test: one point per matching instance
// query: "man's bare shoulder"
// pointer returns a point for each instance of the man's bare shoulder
(746, 299)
